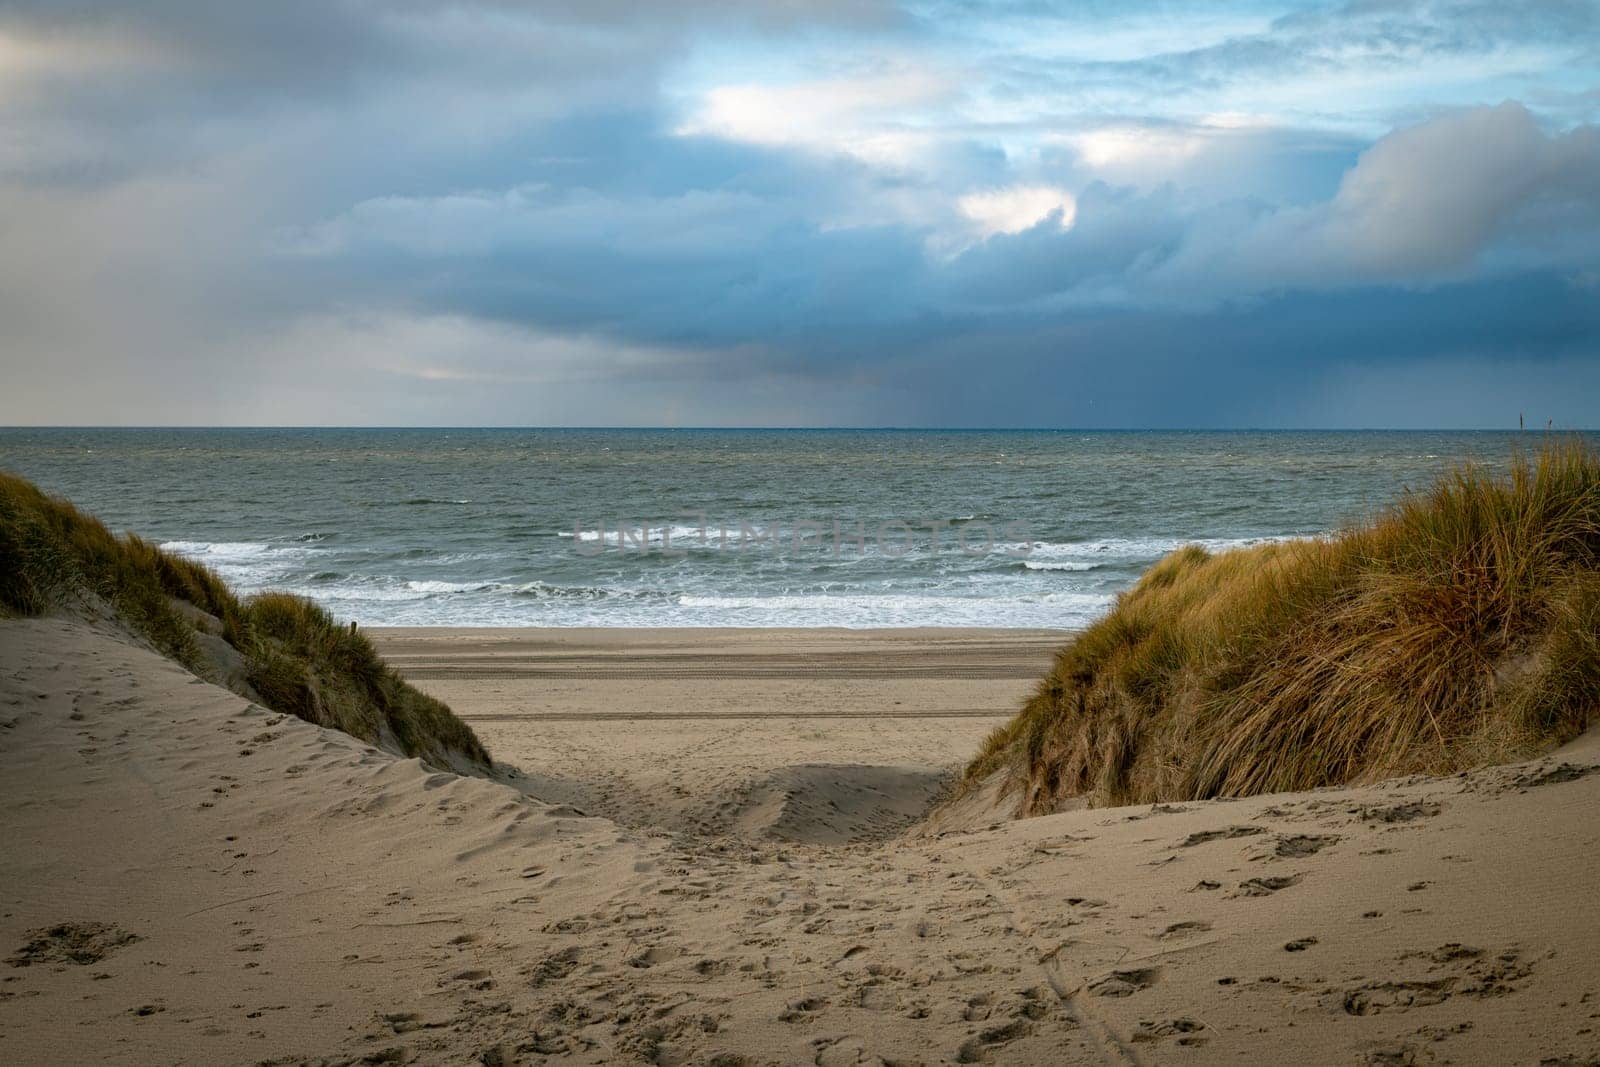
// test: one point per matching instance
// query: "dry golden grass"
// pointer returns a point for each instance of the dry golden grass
(1458, 628)
(307, 663)
(297, 658)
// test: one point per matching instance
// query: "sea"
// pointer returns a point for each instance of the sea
(809, 528)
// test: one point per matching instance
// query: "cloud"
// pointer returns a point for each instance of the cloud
(864, 116)
(1480, 193)
(487, 210)
(1432, 198)
(1018, 208)
(1440, 199)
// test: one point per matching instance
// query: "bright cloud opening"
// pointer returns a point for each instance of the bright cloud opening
(871, 118)
(1018, 208)
(1135, 146)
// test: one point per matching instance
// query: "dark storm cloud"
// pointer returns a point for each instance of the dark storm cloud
(1462, 355)
(1432, 202)
(150, 85)
(942, 212)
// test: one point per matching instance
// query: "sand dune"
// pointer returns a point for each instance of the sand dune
(188, 878)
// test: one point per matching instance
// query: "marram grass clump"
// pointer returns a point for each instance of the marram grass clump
(1460, 627)
(308, 664)
(291, 654)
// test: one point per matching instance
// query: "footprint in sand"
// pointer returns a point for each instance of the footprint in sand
(1376, 998)
(1178, 931)
(978, 1008)
(1564, 772)
(554, 967)
(1393, 1056)
(79, 943)
(1036, 1003)
(654, 955)
(847, 1051)
(1202, 837)
(1453, 970)
(1265, 887)
(476, 979)
(801, 1010)
(874, 996)
(1125, 983)
(978, 1048)
(1399, 813)
(1298, 846)
(1184, 1029)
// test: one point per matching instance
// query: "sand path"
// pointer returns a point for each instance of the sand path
(825, 736)
(186, 878)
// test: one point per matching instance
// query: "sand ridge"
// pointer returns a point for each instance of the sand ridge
(191, 879)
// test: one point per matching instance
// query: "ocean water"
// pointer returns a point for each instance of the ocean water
(720, 527)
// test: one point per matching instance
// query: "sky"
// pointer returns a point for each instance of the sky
(1378, 213)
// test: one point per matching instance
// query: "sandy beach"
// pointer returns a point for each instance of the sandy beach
(710, 851)
(812, 735)
(787, 533)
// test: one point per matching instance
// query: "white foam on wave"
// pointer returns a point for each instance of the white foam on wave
(1059, 609)
(1135, 549)
(893, 540)
(677, 536)
(465, 557)
(379, 592)
(919, 597)
(536, 604)
(222, 550)
(452, 587)
(452, 598)
(251, 565)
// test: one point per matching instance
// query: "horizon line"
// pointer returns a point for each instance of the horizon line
(811, 429)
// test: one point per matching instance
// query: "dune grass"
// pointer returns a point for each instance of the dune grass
(1457, 628)
(297, 658)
